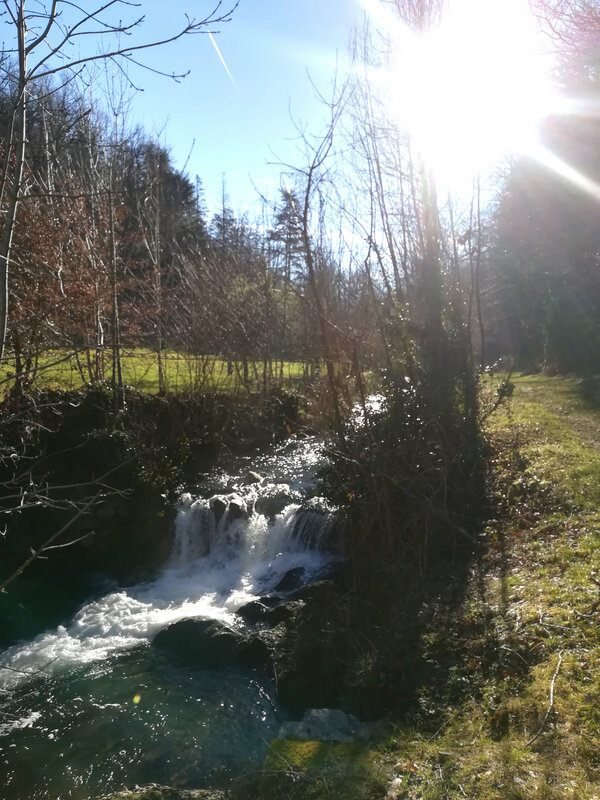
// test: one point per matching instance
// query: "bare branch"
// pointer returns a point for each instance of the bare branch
(46, 31)
(192, 26)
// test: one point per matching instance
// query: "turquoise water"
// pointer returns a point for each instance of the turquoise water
(80, 733)
(90, 707)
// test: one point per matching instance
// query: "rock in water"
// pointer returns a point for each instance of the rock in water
(274, 500)
(325, 725)
(269, 610)
(291, 581)
(218, 505)
(252, 477)
(237, 509)
(212, 643)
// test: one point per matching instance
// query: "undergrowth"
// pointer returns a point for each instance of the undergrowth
(508, 703)
(519, 718)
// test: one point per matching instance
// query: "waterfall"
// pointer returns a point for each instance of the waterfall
(230, 527)
(90, 706)
(228, 549)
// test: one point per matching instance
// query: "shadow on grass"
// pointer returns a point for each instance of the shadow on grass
(313, 769)
(588, 390)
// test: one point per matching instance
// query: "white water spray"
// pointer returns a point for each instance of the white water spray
(225, 554)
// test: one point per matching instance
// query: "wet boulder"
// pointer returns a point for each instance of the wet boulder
(269, 611)
(237, 508)
(218, 505)
(273, 502)
(325, 725)
(212, 643)
(292, 580)
(258, 610)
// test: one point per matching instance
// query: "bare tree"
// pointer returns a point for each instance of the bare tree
(44, 38)
(312, 179)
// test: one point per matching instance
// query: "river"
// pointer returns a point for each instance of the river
(91, 707)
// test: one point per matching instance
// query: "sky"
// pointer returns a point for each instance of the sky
(238, 124)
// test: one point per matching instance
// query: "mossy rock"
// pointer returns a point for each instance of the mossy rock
(167, 793)
(352, 764)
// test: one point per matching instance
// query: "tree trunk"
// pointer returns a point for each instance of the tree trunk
(19, 141)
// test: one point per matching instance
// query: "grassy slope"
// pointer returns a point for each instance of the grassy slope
(140, 369)
(527, 722)
(517, 713)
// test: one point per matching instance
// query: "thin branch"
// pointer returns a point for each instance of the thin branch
(35, 554)
(191, 27)
(69, 544)
(551, 706)
(177, 77)
(27, 671)
(46, 31)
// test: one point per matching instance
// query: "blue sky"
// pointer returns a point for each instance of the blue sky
(238, 126)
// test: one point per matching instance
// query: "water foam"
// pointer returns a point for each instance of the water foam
(218, 563)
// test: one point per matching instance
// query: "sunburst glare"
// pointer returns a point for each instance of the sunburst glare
(470, 89)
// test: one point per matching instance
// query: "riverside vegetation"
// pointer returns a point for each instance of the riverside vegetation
(462, 621)
(496, 694)
(506, 700)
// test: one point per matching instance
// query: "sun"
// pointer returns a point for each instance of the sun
(472, 88)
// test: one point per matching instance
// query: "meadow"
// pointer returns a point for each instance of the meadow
(181, 372)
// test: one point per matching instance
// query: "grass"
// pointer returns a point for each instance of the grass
(509, 707)
(513, 710)
(299, 770)
(182, 372)
(522, 704)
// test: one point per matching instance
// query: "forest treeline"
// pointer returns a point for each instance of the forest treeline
(113, 248)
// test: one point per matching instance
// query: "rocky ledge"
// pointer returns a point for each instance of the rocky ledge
(167, 793)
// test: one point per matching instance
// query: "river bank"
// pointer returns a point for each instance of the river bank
(506, 705)
(510, 709)
(102, 681)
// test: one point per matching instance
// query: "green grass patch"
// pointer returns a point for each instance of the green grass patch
(519, 718)
(312, 769)
(140, 368)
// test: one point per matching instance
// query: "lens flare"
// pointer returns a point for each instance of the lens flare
(470, 89)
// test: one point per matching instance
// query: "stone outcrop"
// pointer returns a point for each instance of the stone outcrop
(168, 793)
(212, 643)
(325, 725)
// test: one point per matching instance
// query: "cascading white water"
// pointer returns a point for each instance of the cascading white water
(90, 708)
(225, 554)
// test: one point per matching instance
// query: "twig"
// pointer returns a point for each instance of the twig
(547, 714)
(514, 652)
(68, 544)
(45, 546)
(29, 672)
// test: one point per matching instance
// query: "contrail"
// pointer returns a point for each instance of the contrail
(216, 46)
